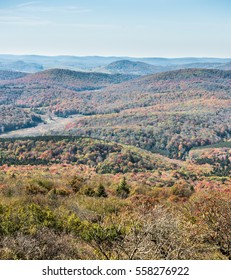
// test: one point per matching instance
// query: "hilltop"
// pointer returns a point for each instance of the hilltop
(77, 79)
(131, 67)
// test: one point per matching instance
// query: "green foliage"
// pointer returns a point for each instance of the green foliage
(88, 191)
(168, 222)
(101, 192)
(222, 167)
(37, 186)
(63, 191)
(76, 183)
(72, 223)
(26, 219)
(123, 189)
(102, 238)
(182, 190)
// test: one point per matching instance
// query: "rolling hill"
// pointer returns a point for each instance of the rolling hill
(63, 92)
(131, 67)
(169, 112)
(77, 80)
(13, 118)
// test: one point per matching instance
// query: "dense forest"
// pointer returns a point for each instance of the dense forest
(106, 157)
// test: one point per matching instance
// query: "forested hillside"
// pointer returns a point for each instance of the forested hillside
(169, 112)
(62, 92)
(106, 157)
(12, 117)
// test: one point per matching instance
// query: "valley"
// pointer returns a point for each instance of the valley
(50, 125)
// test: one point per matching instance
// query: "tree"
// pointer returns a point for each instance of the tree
(123, 189)
(101, 192)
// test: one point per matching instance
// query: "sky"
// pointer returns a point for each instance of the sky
(138, 28)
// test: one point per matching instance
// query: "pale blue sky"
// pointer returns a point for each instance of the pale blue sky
(142, 28)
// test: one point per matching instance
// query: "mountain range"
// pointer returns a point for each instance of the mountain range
(36, 63)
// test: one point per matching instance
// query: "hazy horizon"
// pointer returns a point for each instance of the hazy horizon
(122, 28)
(115, 56)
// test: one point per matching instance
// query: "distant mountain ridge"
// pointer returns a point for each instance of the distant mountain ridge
(141, 68)
(35, 63)
(20, 65)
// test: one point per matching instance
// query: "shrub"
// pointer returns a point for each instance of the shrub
(89, 192)
(63, 192)
(45, 244)
(76, 183)
(40, 186)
